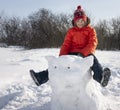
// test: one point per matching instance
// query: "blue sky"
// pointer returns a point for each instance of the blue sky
(98, 9)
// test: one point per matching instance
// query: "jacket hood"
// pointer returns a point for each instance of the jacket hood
(86, 24)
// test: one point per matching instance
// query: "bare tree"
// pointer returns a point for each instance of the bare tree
(102, 33)
(48, 29)
(115, 24)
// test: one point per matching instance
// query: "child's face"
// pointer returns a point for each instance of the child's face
(80, 23)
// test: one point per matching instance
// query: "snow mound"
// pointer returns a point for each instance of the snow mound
(19, 92)
(71, 82)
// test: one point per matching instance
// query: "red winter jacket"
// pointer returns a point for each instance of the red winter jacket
(82, 40)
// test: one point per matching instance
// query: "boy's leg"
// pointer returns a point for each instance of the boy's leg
(100, 75)
(97, 69)
(40, 77)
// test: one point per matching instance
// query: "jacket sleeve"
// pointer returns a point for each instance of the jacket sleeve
(65, 48)
(92, 43)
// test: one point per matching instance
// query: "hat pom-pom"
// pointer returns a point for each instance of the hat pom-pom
(79, 7)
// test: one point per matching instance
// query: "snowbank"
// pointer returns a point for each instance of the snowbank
(18, 91)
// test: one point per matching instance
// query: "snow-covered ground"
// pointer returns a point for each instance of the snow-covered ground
(18, 91)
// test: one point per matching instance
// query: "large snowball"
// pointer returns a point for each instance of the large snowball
(70, 79)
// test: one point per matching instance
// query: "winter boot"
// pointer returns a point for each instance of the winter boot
(39, 78)
(105, 77)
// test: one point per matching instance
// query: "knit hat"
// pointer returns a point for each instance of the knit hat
(79, 13)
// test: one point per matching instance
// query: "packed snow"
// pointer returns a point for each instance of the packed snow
(71, 81)
(18, 91)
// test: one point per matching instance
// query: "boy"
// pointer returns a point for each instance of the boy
(80, 40)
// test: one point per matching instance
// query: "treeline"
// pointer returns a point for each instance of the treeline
(43, 29)
(108, 33)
